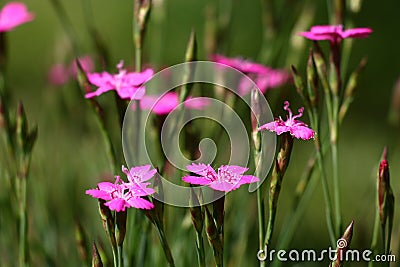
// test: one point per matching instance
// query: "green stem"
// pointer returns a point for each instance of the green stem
(278, 172)
(260, 208)
(261, 218)
(200, 249)
(296, 216)
(328, 203)
(120, 256)
(335, 167)
(23, 226)
(375, 237)
(164, 244)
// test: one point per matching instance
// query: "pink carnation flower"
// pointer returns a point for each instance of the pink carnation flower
(264, 77)
(86, 63)
(127, 84)
(60, 74)
(335, 33)
(121, 195)
(245, 66)
(296, 128)
(169, 101)
(14, 14)
(227, 178)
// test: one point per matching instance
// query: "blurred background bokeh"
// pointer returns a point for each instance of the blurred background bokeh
(70, 157)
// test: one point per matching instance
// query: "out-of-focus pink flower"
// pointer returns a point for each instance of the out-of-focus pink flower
(86, 63)
(273, 79)
(296, 128)
(169, 101)
(121, 195)
(127, 84)
(227, 178)
(14, 14)
(58, 75)
(264, 77)
(335, 33)
(243, 65)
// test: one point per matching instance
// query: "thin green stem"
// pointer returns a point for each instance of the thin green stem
(200, 250)
(375, 237)
(120, 256)
(164, 244)
(23, 227)
(260, 208)
(335, 167)
(296, 216)
(328, 203)
(261, 218)
(138, 58)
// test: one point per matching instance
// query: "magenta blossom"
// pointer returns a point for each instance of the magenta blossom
(335, 33)
(60, 74)
(296, 128)
(86, 63)
(14, 14)
(227, 178)
(121, 195)
(169, 101)
(264, 77)
(127, 84)
(243, 65)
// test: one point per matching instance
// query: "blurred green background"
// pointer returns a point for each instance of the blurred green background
(69, 156)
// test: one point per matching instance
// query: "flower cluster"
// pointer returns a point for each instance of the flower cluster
(121, 195)
(295, 127)
(128, 85)
(14, 14)
(264, 77)
(226, 178)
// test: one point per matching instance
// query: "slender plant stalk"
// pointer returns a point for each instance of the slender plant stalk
(375, 237)
(23, 226)
(278, 172)
(164, 244)
(200, 250)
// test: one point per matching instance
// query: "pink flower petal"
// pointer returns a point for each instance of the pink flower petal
(139, 191)
(248, 179)
(240, 64)
(86, 63)
(160, 105)
(196, 180)
(302, 132)
(335, 32)
(14, 14)
(200, 168)
(116, 204)
(58, 75)
(357, 33)
(271, 126)
(140, 203)
(96, 193)
(198, 103)
(222, 185)
(233, 169)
